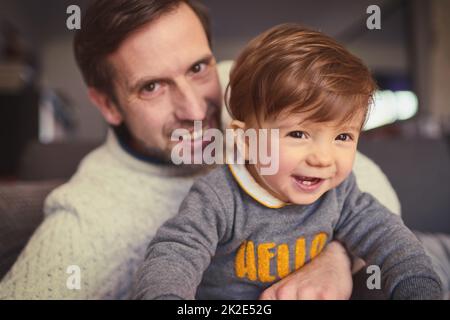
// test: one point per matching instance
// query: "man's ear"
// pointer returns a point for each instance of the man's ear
(108, 108)
(240, 141)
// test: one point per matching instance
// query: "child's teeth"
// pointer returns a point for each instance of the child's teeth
(307, 183)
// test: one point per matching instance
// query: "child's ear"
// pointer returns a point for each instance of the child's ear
(236, 124)
(241, 143)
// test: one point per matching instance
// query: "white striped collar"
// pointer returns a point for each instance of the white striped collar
(252, 188)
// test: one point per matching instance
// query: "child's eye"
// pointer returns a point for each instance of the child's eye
(344, 137)
(297, 134)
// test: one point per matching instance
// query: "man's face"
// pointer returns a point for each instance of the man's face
(314, 157)
(166, 78)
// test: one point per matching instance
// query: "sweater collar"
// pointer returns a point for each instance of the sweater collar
(122, 136)
(252, 188)
(124, 154)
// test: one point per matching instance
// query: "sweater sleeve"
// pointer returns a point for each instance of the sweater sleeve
(69, 257)
(183, 247)
(40, 272)
(370, 231)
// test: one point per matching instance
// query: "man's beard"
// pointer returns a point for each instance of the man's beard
(164, 156)
(139, 147)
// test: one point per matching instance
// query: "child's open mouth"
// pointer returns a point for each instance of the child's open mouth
(308, 183)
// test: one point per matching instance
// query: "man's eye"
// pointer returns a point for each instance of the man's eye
(197, 68)
(344, 137)
(297, 134)
(151, 87)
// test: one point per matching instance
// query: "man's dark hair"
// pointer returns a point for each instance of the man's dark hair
(107, 23)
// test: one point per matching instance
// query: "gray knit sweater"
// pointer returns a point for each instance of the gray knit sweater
(226, 243)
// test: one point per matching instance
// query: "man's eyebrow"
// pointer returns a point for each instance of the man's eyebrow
(141, 82)
(208, 58)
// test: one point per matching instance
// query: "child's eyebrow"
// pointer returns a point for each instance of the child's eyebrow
(350, 128)
(305, 124)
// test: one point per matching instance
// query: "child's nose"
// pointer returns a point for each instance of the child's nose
(319, 157)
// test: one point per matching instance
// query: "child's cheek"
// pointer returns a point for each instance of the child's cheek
(287, 163)
(344, 170)
(279, 179)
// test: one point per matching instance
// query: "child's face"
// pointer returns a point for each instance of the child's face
(313, 157)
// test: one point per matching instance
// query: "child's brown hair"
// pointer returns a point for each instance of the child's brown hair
(292, 69)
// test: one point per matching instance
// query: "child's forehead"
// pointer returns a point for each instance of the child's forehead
(289, 120)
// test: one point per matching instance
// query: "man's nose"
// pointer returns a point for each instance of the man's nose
(319, 156)
(189, 105)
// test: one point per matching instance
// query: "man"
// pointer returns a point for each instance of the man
(149, 69)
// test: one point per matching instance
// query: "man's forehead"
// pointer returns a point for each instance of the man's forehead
(162, 48)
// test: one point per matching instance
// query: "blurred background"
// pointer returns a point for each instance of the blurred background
(47, 123)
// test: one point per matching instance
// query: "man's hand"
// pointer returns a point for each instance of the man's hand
(327, 277)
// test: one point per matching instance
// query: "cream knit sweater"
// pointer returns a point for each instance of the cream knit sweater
(100, 221)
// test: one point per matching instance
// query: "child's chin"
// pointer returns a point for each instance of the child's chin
(304, 199)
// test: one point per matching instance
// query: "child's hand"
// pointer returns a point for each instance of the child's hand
(327, 277)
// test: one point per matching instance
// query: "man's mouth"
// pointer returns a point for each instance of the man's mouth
(306, 183)
(199, 136)
(200, 132)
(195, 135)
